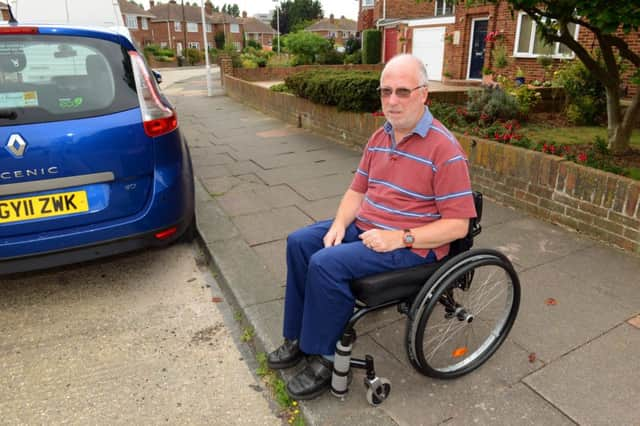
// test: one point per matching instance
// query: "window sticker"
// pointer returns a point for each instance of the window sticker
(70, 102)
(19, 99)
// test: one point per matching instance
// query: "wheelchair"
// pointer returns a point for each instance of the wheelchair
(459, 310)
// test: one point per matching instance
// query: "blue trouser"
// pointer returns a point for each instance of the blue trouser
(318, 300)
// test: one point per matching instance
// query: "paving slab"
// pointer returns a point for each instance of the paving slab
(292, 174)
(559, 313)
(245, 202)
(598, 383)
(323, 186)
(213, 224)
(530, 242)
(612, 272)
(217, 186)
(321, 209)
(249, 281)
(273, 255)
(267, 226)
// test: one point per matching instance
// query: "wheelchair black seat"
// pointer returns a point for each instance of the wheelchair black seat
(395, 285)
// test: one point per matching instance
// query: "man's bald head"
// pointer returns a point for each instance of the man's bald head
(405, 60)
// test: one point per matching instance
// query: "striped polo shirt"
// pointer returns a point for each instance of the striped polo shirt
(418, 180)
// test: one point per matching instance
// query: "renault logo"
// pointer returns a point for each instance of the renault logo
(16, 145)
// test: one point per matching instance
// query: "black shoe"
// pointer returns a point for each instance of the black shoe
(313, 381)
(287, 355)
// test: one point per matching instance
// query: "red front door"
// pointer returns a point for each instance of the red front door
(390, 43)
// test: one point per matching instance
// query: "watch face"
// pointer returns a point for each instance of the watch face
(408, 239)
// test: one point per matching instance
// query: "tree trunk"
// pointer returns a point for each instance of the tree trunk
(619, 127)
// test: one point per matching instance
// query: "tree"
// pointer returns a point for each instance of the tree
(306, 46)
(229, 9)
(294, 12)
(609, 21)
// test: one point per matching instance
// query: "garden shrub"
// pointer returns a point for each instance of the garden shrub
(193, 55)
(586, 96)
(352, 45)
(491, 104)
(347, 90)
(353, 58)
(254, 44)
(371, 46)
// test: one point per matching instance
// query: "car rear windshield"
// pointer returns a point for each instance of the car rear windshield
(47, 78)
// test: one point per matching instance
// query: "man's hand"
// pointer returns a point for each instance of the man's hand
(334, 235)
(382, 241)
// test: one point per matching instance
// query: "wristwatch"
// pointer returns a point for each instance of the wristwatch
(408, 239)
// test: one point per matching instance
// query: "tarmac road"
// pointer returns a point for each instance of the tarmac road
(129, 340)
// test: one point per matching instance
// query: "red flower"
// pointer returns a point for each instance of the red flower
(378, 114)
(582, 157)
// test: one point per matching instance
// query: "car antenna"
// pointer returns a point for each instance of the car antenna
(12, 19)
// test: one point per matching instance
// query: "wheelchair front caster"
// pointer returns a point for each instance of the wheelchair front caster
(378, 390)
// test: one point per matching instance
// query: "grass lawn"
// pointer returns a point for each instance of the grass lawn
(571, 135)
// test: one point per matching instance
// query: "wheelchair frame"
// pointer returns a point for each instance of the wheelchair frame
(417, 292)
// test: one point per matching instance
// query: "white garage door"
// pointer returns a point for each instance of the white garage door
(428, 45)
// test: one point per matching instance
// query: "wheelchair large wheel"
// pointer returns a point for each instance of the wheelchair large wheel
(463, 314)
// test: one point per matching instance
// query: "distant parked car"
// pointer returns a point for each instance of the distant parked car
(92, 162)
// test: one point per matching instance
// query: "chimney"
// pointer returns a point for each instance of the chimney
(151, 4)
(331, 18)
(208, 8)
(244, 14)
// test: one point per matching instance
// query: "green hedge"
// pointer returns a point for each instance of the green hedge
(371, 46)
(347, 90)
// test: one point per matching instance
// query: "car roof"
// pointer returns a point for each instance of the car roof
(119, 35)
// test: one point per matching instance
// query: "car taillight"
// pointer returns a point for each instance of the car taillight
(19, 30)
(157, 118)
(163, 235)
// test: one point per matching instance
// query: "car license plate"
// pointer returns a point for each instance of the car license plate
(42, 206)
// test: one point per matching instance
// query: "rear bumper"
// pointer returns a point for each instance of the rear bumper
(89, 252)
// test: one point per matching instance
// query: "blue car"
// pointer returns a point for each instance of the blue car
(92, 161)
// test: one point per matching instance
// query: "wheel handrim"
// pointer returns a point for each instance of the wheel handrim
(458, 336)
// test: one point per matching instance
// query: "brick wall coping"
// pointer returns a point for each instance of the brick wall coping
(601, 205)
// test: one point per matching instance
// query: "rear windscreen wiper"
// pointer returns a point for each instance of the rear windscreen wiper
(11, 115)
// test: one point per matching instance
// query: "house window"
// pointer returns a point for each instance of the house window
(145, 24)
(444, 8)
(234, 28)
(194, 45)
(237, 45)
(367, 3)
(163, 44)
(177, 25)
(192, 27)
(530, 44)
(132, 22)
(209, 28)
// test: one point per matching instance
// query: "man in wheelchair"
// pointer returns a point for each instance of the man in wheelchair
(410, 197)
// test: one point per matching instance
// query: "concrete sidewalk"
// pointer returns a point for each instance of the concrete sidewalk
(259, 179)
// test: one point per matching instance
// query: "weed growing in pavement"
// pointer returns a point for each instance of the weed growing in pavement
(237, 315)
(247, 334)
(290, 410)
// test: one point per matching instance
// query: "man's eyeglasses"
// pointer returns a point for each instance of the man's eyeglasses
(401, 92)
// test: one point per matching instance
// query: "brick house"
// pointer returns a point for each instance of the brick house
(231, 26)
(176, 27)
(255, 29)
(338, 29)
(450, 38)
(138, 21)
